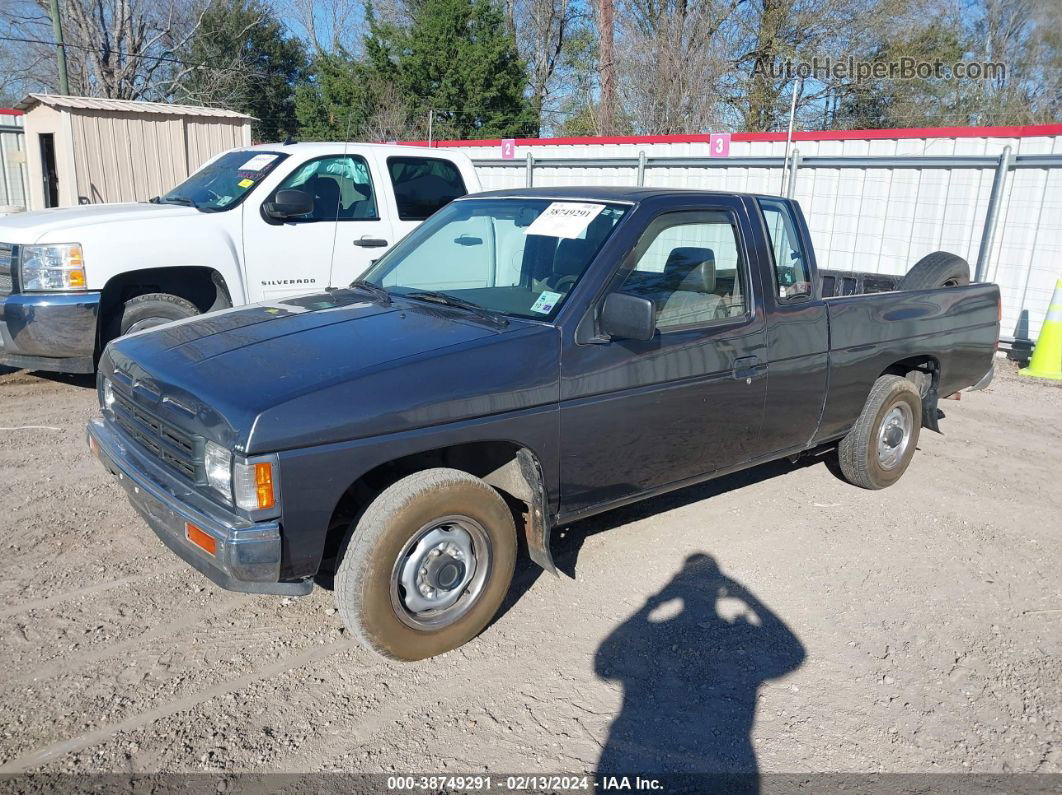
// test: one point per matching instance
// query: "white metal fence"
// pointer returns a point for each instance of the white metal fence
(13, 187)
(872, 204)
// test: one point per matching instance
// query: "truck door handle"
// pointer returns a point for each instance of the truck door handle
(745, 367)
(370, 242)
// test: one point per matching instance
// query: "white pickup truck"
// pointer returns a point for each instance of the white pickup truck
(252, 224)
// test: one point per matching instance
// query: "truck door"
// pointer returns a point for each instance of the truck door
(328, 247)
(797, 331)
(636, 415)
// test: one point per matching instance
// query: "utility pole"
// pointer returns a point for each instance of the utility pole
(431, 121)
(797, 89)
(60, 50)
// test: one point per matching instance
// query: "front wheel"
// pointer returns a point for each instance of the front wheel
(147, 311)
(879, 447)
(427, 565)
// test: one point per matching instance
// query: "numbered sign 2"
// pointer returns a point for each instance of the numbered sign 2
(508, 148)
(719, 144)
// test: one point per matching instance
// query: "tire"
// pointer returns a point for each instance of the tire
(393, 537)
(148, 311)
(868, 455)
(939, 269)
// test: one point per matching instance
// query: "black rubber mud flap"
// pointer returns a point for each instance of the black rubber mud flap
(931, 415)
(522, 478)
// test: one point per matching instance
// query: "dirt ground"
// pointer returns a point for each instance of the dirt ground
(777, 620)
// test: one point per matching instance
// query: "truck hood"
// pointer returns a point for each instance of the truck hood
(330, 367)
(28, 228)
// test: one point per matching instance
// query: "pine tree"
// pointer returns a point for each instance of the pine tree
(459, 62)
(242, 59)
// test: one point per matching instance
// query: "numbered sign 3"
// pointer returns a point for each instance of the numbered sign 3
(719, 144)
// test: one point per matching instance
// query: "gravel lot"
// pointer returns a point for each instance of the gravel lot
(779, 619)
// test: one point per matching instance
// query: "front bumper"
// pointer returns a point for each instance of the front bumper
(247, 554)
(49, 331)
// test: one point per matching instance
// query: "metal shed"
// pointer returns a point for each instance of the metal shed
(12, 162)
(87, 150)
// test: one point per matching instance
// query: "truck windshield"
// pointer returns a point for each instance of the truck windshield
(518, 257)
(225, 181)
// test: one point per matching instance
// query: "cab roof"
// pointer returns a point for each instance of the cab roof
(613, 193)
(311, 148)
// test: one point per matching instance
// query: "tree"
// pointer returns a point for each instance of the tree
(457, 62)
(346, 99)
(606, 26)
(552, 35)
(120, 49)
(241, 58)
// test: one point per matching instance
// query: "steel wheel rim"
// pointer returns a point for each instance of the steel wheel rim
(440, 573)
(894, 435)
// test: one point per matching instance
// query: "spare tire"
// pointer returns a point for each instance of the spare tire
(939, 269)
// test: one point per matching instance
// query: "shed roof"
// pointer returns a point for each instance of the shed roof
(126, 106)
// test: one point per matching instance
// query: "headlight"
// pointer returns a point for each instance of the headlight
(59, 267)
(217, 461)
(107, 393)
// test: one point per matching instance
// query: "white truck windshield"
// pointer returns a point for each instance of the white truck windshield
(224, 182)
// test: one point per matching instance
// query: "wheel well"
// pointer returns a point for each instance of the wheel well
(476, 458)
(923, 364)
(203, 287)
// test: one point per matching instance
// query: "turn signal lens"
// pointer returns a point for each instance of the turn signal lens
(204, 541)
(263, 479)
(255, 485)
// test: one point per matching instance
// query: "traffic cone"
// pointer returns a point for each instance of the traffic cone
(1046, 361)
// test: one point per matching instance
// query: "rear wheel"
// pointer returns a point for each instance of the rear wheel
(427, 565)
(154, 309)
(879, 447)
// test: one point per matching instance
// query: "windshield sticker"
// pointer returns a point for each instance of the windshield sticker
(257, 163)
(564, 219)
(545, 302)
(245, 183)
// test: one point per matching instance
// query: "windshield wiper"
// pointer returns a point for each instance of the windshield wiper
(182, 200)
(375, 290)
(460, 303)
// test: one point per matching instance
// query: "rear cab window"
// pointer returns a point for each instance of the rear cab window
(791, 272)
(423, 185)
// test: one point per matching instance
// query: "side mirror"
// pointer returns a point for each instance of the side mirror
(628, 317)
(288, 204)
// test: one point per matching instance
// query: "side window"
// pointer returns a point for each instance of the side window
(341, 188)
(689, 265)
(423, 185)
(790, 259)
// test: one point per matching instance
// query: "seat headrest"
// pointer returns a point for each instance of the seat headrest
(691, 268)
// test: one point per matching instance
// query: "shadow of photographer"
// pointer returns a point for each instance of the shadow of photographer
(691, 662)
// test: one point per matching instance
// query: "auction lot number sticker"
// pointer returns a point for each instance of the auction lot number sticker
(564, 219)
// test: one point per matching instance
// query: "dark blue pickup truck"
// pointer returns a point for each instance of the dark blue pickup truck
(520, 361)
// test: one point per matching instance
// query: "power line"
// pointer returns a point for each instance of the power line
(119, 53)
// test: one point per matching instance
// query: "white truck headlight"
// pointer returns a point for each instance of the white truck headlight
(217, 461)
(54, 267)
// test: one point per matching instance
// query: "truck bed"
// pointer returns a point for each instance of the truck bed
(836, 283)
